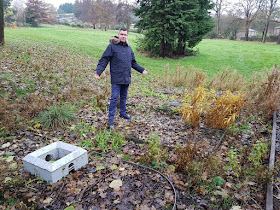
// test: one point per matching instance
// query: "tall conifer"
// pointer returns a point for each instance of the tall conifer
(172, 26)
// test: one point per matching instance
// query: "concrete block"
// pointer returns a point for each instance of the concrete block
(55, 161)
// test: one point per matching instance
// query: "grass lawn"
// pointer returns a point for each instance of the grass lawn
(212, 57)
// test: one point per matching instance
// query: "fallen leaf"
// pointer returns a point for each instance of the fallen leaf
(113, 167)
(70, 208)
(6, 145)
(171, 167)
(251, 183)
(47, 200)
(103, 195)
(10, 159)
(116, 184)
(98, 168)
(13, 166)
(116, 201)
(7, 179)
(9, 153)
(37, 126)
(236, 208)
(221, 192)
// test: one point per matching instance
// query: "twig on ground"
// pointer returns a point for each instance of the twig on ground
(33, 180)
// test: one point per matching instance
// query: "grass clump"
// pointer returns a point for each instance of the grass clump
(192, 77)
(56, 116)
(104, 140)
(227, 80)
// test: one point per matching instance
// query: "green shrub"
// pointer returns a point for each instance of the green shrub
(79, 25)
(56, 116)
(231, 37)
(212, 35)
(272, 38)
(66, 23)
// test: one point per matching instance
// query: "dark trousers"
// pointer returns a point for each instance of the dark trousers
(118, 90)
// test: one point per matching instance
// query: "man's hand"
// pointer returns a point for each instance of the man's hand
(144, 72)
(96, 75)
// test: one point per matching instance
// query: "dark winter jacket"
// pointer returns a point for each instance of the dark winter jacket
(121, 59)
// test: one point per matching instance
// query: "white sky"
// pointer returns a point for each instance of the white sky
(56, 3)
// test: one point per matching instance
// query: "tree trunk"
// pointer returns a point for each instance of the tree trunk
(162, 48)
(278, 41)
(2, 22)
(247, 26)
(165, 49)
(265, 32)
(181, 46)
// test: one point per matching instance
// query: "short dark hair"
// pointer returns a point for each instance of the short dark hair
(123, 29)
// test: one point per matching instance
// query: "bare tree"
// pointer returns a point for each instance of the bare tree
(220, 6)
(18, 5)
(124, 13)
(2, 22)
(250, 9)
(269, 9)
(105, 12)
(231, 24)
(85, 11)
(51, 13)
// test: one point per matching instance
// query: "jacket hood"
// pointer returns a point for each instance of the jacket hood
(116, 40)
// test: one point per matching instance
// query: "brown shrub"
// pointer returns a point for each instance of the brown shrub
(227, 80)
(192, 77)
(265, 94)
(33, 104)
(14, 113)
(185, 156)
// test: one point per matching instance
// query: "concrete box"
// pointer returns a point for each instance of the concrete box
(55, 161)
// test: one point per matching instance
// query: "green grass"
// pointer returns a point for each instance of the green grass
(213, 55)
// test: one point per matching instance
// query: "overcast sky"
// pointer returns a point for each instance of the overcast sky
(56, 3)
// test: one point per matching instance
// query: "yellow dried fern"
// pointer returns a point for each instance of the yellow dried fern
(194, 103)
(224, 109)
(219, 111)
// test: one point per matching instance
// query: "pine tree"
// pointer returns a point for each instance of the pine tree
(173, 26)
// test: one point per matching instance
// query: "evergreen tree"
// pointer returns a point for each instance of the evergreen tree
(173, 26)
(67, 7)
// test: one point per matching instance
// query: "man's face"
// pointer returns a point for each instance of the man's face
(122, 35)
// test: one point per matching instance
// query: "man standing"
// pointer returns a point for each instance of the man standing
(121, 58)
